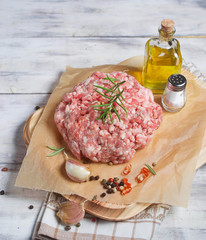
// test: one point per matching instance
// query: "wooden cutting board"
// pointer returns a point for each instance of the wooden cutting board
(106, 211)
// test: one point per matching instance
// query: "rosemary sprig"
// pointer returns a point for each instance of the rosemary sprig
(151, 169)
(110, 115)
(109, 90)
(116, 112)
(123, 107)
(121, 95)
(115, 95)
(57, 150)
(101, 105)
(102, 94)
(98, 109)
(112, 80)
(52, 148)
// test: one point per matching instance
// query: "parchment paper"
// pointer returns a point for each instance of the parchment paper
(175, 147)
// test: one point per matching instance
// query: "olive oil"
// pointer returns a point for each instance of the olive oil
(162, 58)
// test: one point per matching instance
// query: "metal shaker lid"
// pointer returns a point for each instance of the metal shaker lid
(177, 82)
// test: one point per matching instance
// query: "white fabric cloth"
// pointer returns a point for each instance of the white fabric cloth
(142, 226)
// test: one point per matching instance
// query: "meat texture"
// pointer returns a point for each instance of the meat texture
(88, 137)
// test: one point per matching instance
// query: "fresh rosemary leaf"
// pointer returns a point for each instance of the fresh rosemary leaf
(99, 109)
(116, 112)
(52, 148)
(54, 153)
(110, 115)
(117, 85)
(105, 118)
(107, 89)
(112, 88)
(121, 102)
(101, 105)
(121, 95)
(103, 114)
(118, 95)
(114, 79)
(121, 83)
(123, 108)
(102, 94)
(151, 169)
(110, 80)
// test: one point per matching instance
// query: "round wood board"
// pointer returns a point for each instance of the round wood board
(106, 211)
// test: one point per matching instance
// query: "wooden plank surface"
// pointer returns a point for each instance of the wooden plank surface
(35, 65)
(51, 18)
(38, 38)
(16, 219)
(189, 223)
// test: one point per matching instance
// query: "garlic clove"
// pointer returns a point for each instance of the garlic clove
(71, 212)
(76, 171)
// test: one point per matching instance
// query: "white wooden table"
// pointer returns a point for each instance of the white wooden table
(38, 38)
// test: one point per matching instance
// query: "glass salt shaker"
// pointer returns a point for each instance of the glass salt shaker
(174, 96)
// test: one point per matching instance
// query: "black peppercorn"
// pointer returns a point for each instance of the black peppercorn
(2, 192)
(36, 108)
(116, 179)
(109, 191)
(113, 185)
(91, 178)
(103, 194)
(31, 207)
(104, 181)
(78, 225)
(121, 184)
(67, 228)
(96, 178)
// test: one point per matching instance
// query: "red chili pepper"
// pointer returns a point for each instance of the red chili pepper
(126, 190)
(145, 171)
(5, 169)
(127, 169)
(124, 180)
(142, 175)
(127, 186)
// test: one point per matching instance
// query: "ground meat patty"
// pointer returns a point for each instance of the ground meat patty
(88, 137)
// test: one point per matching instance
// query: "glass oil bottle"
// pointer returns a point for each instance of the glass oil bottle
(162, 58)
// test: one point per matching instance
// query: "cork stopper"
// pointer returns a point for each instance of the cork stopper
(167, 26)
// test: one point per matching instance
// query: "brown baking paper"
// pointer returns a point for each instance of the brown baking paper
(175, 147)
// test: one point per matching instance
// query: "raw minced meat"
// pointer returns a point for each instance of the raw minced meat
(88, 137)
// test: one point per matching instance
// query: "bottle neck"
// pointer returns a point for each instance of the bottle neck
(164, 36)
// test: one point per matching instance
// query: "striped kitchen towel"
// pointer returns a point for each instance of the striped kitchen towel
(142, 226)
